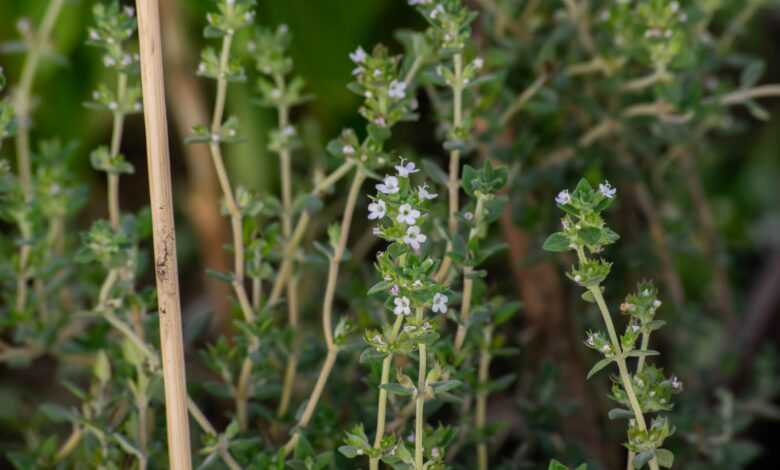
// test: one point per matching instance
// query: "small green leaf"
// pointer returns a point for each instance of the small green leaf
(349, 452)
(620, 413)
(396, 389)
(556, 242)
(665, 457)
(599, 365)
(590, 235)
(555, 465)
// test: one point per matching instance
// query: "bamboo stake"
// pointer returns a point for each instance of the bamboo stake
(166, 270)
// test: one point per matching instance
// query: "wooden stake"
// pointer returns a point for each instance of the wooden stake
(166, 270)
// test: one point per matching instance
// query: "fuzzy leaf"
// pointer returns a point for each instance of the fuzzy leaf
(599, 365)
(665, 457)
(556, 242)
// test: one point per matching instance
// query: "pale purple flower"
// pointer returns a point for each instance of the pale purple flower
(348, 150)
(359, 56)
(377, 210)
(439, 303)
(402, 306)
(397, 90)
(414, 237)
(406, 169)
(407, 214)
(563, 197)
(439, 10)
(607, 190)
(389, 186)
(423, 193)
(395, 290)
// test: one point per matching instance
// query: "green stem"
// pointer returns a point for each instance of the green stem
(285, 270)
(625, 377)
(327, 309)
(468, 281)
(116, 144)
(481, 413)
(419, 426)
(453, 186)
(292, 291)
(22, 108)
(381, 416)
(639, 366)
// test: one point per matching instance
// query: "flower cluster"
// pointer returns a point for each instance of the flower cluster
(450, 22)
(655, 32)
(231, 16)
(378, 80)
(398, 208)
(114, 26)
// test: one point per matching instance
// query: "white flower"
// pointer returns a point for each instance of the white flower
(563, 197)
(406, 169)
(439, 303)
(607, 190)
(676, 383)
(656, 303)
(478, 63)
(418, 2)
(468, 216)
(357, 71)
(359, 56)
(288, 131)
(407, 214)
(348, 150)
(591, 341)
(397, 90)
(390, 185)
(414, 237)
(402, 306)
(423, 193)
(439, 10)
(377, 210)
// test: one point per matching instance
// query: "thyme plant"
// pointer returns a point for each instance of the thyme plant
(421, 363)
(647, 390)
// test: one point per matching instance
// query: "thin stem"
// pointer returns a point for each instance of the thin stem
(22, 108)
(480, 419)
(639, 366)
(116, 144)
(381, 416)
(419, 431)
(22, 98)
(285, 270)
(737, 26)
(523, 98)
(308, 412)
(625, 377)
(453, 186)
(327, 309)
(468, 281)
(292, 291)
(236, 223)
(741, 96)
(208, 428)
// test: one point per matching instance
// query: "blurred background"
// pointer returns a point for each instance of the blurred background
(722, 331)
